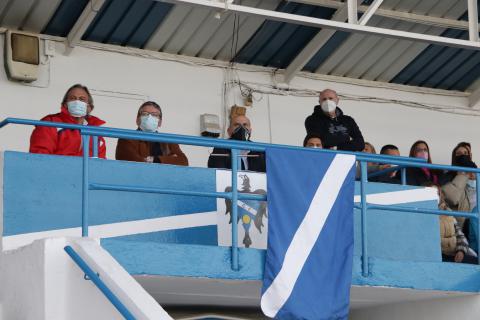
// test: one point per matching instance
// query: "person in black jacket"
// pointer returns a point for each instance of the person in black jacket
(420, 176)
(240, 129)
(338, 130)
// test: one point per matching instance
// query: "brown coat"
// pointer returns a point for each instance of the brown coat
(136, 150)
(456, 195)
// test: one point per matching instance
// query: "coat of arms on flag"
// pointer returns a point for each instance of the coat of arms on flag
(252, 215)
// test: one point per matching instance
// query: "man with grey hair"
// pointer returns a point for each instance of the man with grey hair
(240, 129)
(76, 108)
(339, 131)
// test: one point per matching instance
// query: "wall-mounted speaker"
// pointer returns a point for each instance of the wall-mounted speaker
(22, 56)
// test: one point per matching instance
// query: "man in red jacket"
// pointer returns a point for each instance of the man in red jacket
(77, 104)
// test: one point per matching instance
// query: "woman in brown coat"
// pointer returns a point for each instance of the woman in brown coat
(149, 119)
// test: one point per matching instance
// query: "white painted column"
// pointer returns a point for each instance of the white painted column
(473, 20)
(352, 11)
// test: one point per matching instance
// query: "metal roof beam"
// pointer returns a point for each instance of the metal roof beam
(370, 12)
(78, 30)
(335, 25)
(397, 15)
(313, 46)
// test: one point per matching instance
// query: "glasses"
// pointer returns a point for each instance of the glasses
(73, 98)
(153, 114)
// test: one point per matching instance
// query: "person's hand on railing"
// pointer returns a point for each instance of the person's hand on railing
(459, 256)
(386, 166)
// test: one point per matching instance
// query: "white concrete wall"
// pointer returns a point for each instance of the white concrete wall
(22, 279)
(120, 83)
(465, 308)
(41, 282)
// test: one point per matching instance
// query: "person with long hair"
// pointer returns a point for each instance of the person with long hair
(419, 176)
(462, 151)
(460, 193)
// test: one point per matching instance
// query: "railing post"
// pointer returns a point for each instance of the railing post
(85, 182)
(95, 146)
(363, 196)
(477, 175)
(403, 174)
(234, 160)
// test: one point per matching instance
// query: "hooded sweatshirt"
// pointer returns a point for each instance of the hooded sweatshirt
(341, 131)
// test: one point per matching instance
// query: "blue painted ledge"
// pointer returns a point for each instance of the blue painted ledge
(181, 260)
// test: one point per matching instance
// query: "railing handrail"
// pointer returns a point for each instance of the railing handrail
(234, 195)
(200, 141)
(95, 278)
(230, 144)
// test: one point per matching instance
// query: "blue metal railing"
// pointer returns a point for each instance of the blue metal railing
(95, 278)
(234, 195)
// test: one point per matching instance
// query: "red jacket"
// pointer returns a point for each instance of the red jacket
(68, 142)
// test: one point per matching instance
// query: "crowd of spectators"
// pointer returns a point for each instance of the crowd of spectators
(327, 127)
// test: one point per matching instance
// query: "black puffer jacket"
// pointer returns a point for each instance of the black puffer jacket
(341, 132)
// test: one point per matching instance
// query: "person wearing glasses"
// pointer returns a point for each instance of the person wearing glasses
(76, 108)
(149, 119)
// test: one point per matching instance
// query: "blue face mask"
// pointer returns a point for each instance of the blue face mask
(149, 123)
(77, 108)
(472, 183)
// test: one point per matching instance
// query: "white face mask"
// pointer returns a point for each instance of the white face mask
(77, 108)
(149, 123)
(328, 106)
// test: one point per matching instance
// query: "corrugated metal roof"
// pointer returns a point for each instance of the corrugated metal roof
(443, 67)
(128, 22)
(65, 17)
(374, 58)
(275, 44)
(199, 32)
